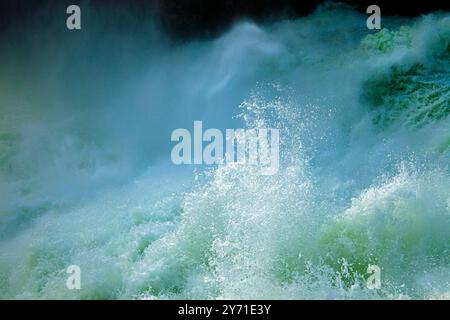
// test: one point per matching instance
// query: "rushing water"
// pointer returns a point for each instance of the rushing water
(86, 177)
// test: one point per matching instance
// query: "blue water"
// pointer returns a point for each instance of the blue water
(86, 176)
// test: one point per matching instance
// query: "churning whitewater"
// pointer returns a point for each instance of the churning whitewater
(364, 175)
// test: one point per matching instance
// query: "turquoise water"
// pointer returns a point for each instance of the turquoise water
(364, 123)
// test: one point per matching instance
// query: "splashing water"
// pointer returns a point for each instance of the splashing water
(364, 175)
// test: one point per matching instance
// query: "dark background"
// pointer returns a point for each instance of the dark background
(184, 19)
